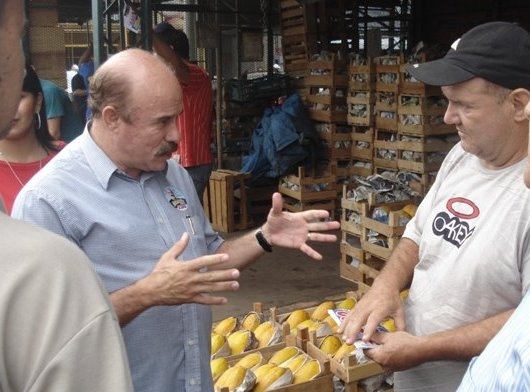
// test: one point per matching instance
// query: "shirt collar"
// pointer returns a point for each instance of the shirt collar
(98, 161)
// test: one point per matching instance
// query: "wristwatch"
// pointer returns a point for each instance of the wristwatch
(262, 241)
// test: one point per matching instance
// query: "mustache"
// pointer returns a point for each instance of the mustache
(166, 149)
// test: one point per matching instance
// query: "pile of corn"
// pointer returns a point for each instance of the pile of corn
(287, 366)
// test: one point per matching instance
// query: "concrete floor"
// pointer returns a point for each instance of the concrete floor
(287, 279)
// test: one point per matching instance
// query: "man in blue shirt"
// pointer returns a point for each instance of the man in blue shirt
(63, 122)
(115, 192)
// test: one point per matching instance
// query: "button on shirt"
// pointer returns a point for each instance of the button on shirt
(124, 225)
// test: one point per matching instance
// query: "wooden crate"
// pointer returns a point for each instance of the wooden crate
(423, 183)
(386, 120)
(386, 101)
(360, 150)
(348, 370)
(378, 250)
(417, 124)
(327, 73)
(363, 168)
(421, 166)
(414, 153)
(348, 206)
(295, 205)
(348, 225)
(328, 115)
(219, 199)
(360, 107)
(329, 131)
(387, 73)
(385, 141)
(425, 144)
(308, 189)
(370, 268)
(341, 167)
(351, 256)
(323, 383)
(392, 228)
(362, 143)
(337, 146)
(386, 115)
(428, 105)
(361, 77)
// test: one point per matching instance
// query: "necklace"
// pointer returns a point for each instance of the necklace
(14, 172)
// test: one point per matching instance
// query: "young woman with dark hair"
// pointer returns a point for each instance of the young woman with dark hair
(28, 145)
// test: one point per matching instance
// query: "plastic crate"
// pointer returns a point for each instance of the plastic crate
(245, 90)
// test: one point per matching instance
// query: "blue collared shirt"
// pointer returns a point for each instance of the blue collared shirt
(504, 365)
(124, 225)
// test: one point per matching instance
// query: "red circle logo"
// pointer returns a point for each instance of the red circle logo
(462, 208)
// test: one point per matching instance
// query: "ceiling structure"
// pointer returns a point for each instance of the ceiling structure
(406, 20)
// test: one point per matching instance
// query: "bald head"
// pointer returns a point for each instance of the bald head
(146, 74)
(11, 60)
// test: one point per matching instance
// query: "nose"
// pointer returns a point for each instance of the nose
(173, 134)
(451, 116)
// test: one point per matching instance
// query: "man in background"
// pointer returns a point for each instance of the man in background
(195, 121)
(63, 122)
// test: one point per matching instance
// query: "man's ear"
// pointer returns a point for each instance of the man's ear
(520, 98)
(111, 117)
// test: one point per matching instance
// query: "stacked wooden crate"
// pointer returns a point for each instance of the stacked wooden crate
(371, 229)
(360, 100)
(327, 80)
(304, 191)
(296, 20)
(423, 137)
(386, 116)
(351, 252)
(326, 84)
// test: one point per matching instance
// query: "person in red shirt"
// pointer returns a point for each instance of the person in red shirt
(28, 145)
(195, 122)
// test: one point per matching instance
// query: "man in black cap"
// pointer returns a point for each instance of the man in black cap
(465, 256)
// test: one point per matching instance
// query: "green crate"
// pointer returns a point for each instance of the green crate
(243, 90)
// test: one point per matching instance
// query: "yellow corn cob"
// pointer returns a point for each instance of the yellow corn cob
(296, 317)
(284, 354)
(308, 371)
(241, 341)
(321, 311)
(330, 344)
(236, 378)
(272, 377)
(251, 361)
(226, 326)
(218, 367)
(251, 321)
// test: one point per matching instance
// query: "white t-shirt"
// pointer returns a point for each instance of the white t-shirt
(473, 231)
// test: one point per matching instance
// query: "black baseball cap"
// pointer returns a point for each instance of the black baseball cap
(496, 51)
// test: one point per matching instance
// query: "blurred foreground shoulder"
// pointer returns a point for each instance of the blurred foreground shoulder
(58, 330)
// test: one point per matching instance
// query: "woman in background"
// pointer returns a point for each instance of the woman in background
(28, 145)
